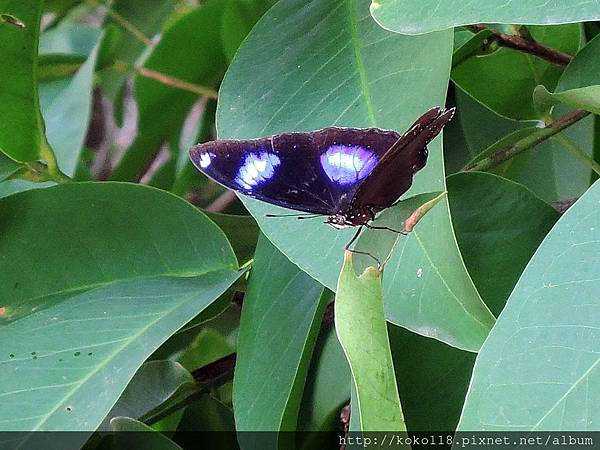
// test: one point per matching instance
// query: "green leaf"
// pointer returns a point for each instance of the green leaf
(69, 39)
(148, 17)
(538, 370)
(490, 215)
(152, 385)
(135, 435)
(162, 109)
(432, 379)
(504, 81)
(67, 111)
(7, 167)
(278, 328)
(425, 16)
(327, 391)
(111, 291)
(116, 232)
(579, 86)
(361, 329)
(242, 232)
(389, 81)
(547, 169)
(93, 342)
(22, 131)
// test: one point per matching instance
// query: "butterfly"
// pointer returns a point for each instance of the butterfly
(346, 174)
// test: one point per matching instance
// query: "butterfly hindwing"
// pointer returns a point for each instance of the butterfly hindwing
(315, 172)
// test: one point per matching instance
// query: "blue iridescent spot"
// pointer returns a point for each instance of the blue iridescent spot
(347, 164)
(257, 168)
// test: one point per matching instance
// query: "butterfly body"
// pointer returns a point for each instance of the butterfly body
(347, 174)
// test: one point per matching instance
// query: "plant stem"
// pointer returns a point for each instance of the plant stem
(577, 151)
(525, 45)
(530, 141)
(50, 171)
(127, 25)
(167, 80)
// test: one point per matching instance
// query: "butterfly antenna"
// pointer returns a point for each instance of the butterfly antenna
(298, 216)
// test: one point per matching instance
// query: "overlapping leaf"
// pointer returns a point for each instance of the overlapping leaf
(135, 266)
(364, 76)
(279, 325)
(539, 368)
(424, 16)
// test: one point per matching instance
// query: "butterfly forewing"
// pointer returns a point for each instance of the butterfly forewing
(394, 174)
(317, 172)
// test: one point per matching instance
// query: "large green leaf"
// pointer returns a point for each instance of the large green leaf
(278, 328)
(162, 108)
(490, 215)
(504, 80)
(538, 370)
(22, 131)
(387, 80)
(362, 331)
(424, 16)
(432, 379)
(93, 342)
(104, 273)
(116, 231)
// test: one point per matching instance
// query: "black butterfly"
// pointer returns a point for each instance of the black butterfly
(347, 174)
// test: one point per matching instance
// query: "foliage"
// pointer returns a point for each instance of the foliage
(123, 268)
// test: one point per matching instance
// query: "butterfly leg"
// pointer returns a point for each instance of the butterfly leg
(354, 238)
(373, 227)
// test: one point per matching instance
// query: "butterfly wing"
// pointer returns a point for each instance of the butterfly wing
(394, 173)
(313, 172)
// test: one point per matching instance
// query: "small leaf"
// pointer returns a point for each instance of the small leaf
(67, 112)
(504, 80)
(361, 328)
(579, 87)
(135, 435)
(425, 16)
(152, 385)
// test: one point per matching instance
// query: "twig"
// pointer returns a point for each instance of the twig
(221, 202)
(497, 158)
(167, 79)
(527, 46)
(131, 28)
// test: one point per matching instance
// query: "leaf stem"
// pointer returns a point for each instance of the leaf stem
(504, 154)
(127, 25)
(577, 151)
(526, 45)
(167, 80)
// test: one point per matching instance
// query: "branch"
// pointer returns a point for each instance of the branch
(122, 66)
(497, 158)
(526, 46)
(127, 25)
